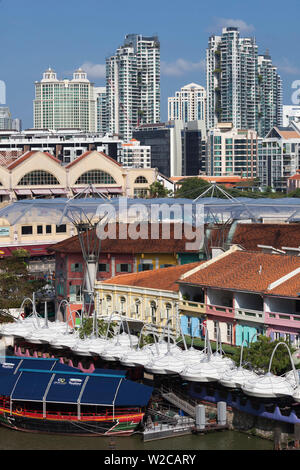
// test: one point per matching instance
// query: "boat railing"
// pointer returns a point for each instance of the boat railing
(65, 415)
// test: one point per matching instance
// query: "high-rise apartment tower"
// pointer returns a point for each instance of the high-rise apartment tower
(133, 85)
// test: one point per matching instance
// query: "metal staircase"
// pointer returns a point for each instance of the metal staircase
(179, 400)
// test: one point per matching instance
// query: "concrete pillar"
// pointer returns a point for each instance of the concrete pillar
(200, 417)
(222, 413)
(113, 266)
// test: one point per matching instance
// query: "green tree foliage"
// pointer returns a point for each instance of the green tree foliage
(157, 189)
(295, 193)
(87, 327)
(15, 282)
(144, 340)
(5, 317)
(258, 355)
(192, 188)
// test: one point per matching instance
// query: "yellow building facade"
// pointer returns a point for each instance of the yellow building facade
(152, 307)
(41, 175)
(151, 297)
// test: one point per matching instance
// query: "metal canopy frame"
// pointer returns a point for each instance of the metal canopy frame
(81, 211)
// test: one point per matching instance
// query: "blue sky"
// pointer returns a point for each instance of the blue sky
(66, 34)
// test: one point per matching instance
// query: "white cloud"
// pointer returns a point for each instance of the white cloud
(180, 67)
(220, 23)
(94, 70)
(288, 68)
(177, 68)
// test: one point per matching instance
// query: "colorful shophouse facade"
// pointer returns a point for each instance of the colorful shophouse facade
(246, 293)
(117, 257)
(150, 297)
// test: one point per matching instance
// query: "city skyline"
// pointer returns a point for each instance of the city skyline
(182, 50)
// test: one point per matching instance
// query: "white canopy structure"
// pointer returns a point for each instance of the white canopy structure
(236, 377)
(270, 385)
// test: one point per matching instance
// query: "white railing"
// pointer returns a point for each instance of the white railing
(249, 314)
(281, 318)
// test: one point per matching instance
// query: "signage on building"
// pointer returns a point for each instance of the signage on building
(4, 231)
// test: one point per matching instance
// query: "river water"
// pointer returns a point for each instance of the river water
(220, 440)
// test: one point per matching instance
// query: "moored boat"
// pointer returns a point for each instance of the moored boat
(61, 400)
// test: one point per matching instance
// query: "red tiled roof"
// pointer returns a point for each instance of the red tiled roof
(20, 160)
(7, 157)
(84, 155)
(289, 288)
(218, 179)
(276, 235)
(162, 278)
(288, 134)
(248, 271)
(131, 246)
(28, 155)
(226, 179)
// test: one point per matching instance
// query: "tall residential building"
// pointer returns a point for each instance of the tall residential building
(135, 155)
(101, 110)
(213, 79)
(133, 85)
(188, 104)
(231, 72)
(65, 104)
(279, 157)
(232, 151)
(270, 95)
(5, 118)
(242, 87)
(17, 124)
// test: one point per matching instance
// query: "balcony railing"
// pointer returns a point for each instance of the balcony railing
(192, 306)
(220, 310)
(283, 319)
(243, 313)
(249, 314)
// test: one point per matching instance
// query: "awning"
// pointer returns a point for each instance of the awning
(34, 250)
(94, 390)
(12, 364)
(7, 384)
(130, 395)
(89, 190)
(38, 250)
(59, 191)
(53, 386)
(102, 190)
(23, 192)
(42, 191)
(30, 386)
(115, 190)
(79, 190)
(3, 192)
